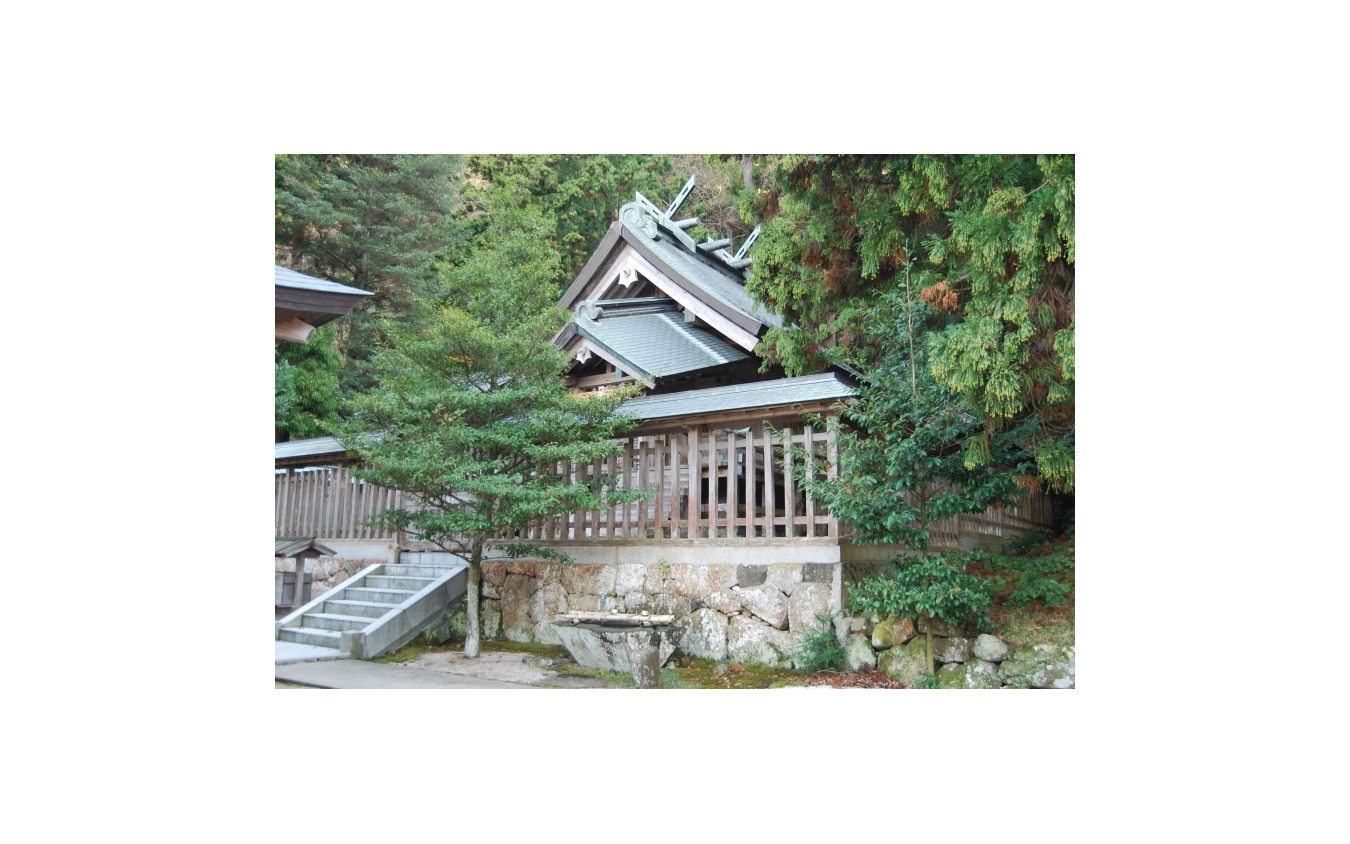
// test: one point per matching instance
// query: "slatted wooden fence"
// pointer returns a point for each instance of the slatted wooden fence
(722, 484)
(330, 503)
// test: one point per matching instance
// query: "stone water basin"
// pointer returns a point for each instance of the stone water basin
(617, 648)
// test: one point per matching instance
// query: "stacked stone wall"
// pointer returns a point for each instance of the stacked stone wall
(962, 661)
(744, 613)
(328, 571)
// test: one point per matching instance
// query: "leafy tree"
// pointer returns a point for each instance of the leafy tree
(307, 386)
(371, 221)
(582, 193)
(470, 409)
(930, 588)
(987, 241)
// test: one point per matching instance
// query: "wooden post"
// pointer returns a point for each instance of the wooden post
(809, 444)
(789, 490)
(770, 505)
(297, 600)
(733, 476)
(658, 516)
(675, 451)
(714, 474)
(832, 454)
(695, 482)
(627, 482)
(642, 484)
(751, 478)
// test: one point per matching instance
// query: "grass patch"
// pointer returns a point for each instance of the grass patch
(1022, 627)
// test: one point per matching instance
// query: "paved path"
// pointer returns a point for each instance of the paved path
(358, 674)
(296, 652)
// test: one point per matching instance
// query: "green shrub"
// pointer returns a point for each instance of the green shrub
(1047, 578)
(820, 649)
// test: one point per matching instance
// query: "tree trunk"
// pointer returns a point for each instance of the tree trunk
(748, 172)
(471, 601)
(930, 644)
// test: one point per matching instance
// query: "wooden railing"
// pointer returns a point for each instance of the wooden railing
(718, 484)
(331, 504)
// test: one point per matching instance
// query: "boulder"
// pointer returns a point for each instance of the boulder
(784, 577)
(614, 648)
(490, 590)
(808, 601)
(767, 603)
(684, 581)
(858, 652)
(893, 631)
(638, 601)
(974, 674)
(990, 648)
(1040, 667)
(906, 663)
(587, 579)
(755, 642)
(955, 649)
(628, 577)
(705, 635)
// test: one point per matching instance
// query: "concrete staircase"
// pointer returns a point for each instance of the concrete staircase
(378, 610)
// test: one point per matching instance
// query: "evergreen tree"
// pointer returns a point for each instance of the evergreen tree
(986, 240)
(308, 397)
(374, 222)
(469, 405)
(582, 193)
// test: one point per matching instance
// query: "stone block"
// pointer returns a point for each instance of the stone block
(808, 601)
(906, 663)
(893, 631)
(752, 641)
(675, 605)
(587, 579)
(858, 652)
(818, 572)
(645, 665)
(784, 576)
(705, 635)
(767, 603)
(583, 603)
(494, 573)
(611, 648)
(989, 648)
(723, 600)
(490, 619)
(547, 604)
(747, 576)
(638, 601)
(517, 595)
(629, 577)
(1041, 667)
(954, 649)
(940, 628)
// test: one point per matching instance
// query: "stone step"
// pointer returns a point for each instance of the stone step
(368, 609)
(329, 621)
(378, 596)
(311, 636)
(416, 584)
(417, 571)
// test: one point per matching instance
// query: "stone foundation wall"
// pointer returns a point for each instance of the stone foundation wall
(744, 613)
(898, 647)
(328, 571)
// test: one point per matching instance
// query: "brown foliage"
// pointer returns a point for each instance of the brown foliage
(941, 297)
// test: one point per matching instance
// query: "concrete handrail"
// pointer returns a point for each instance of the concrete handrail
(334, 594)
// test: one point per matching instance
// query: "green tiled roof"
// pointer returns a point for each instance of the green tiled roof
(652, 336)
